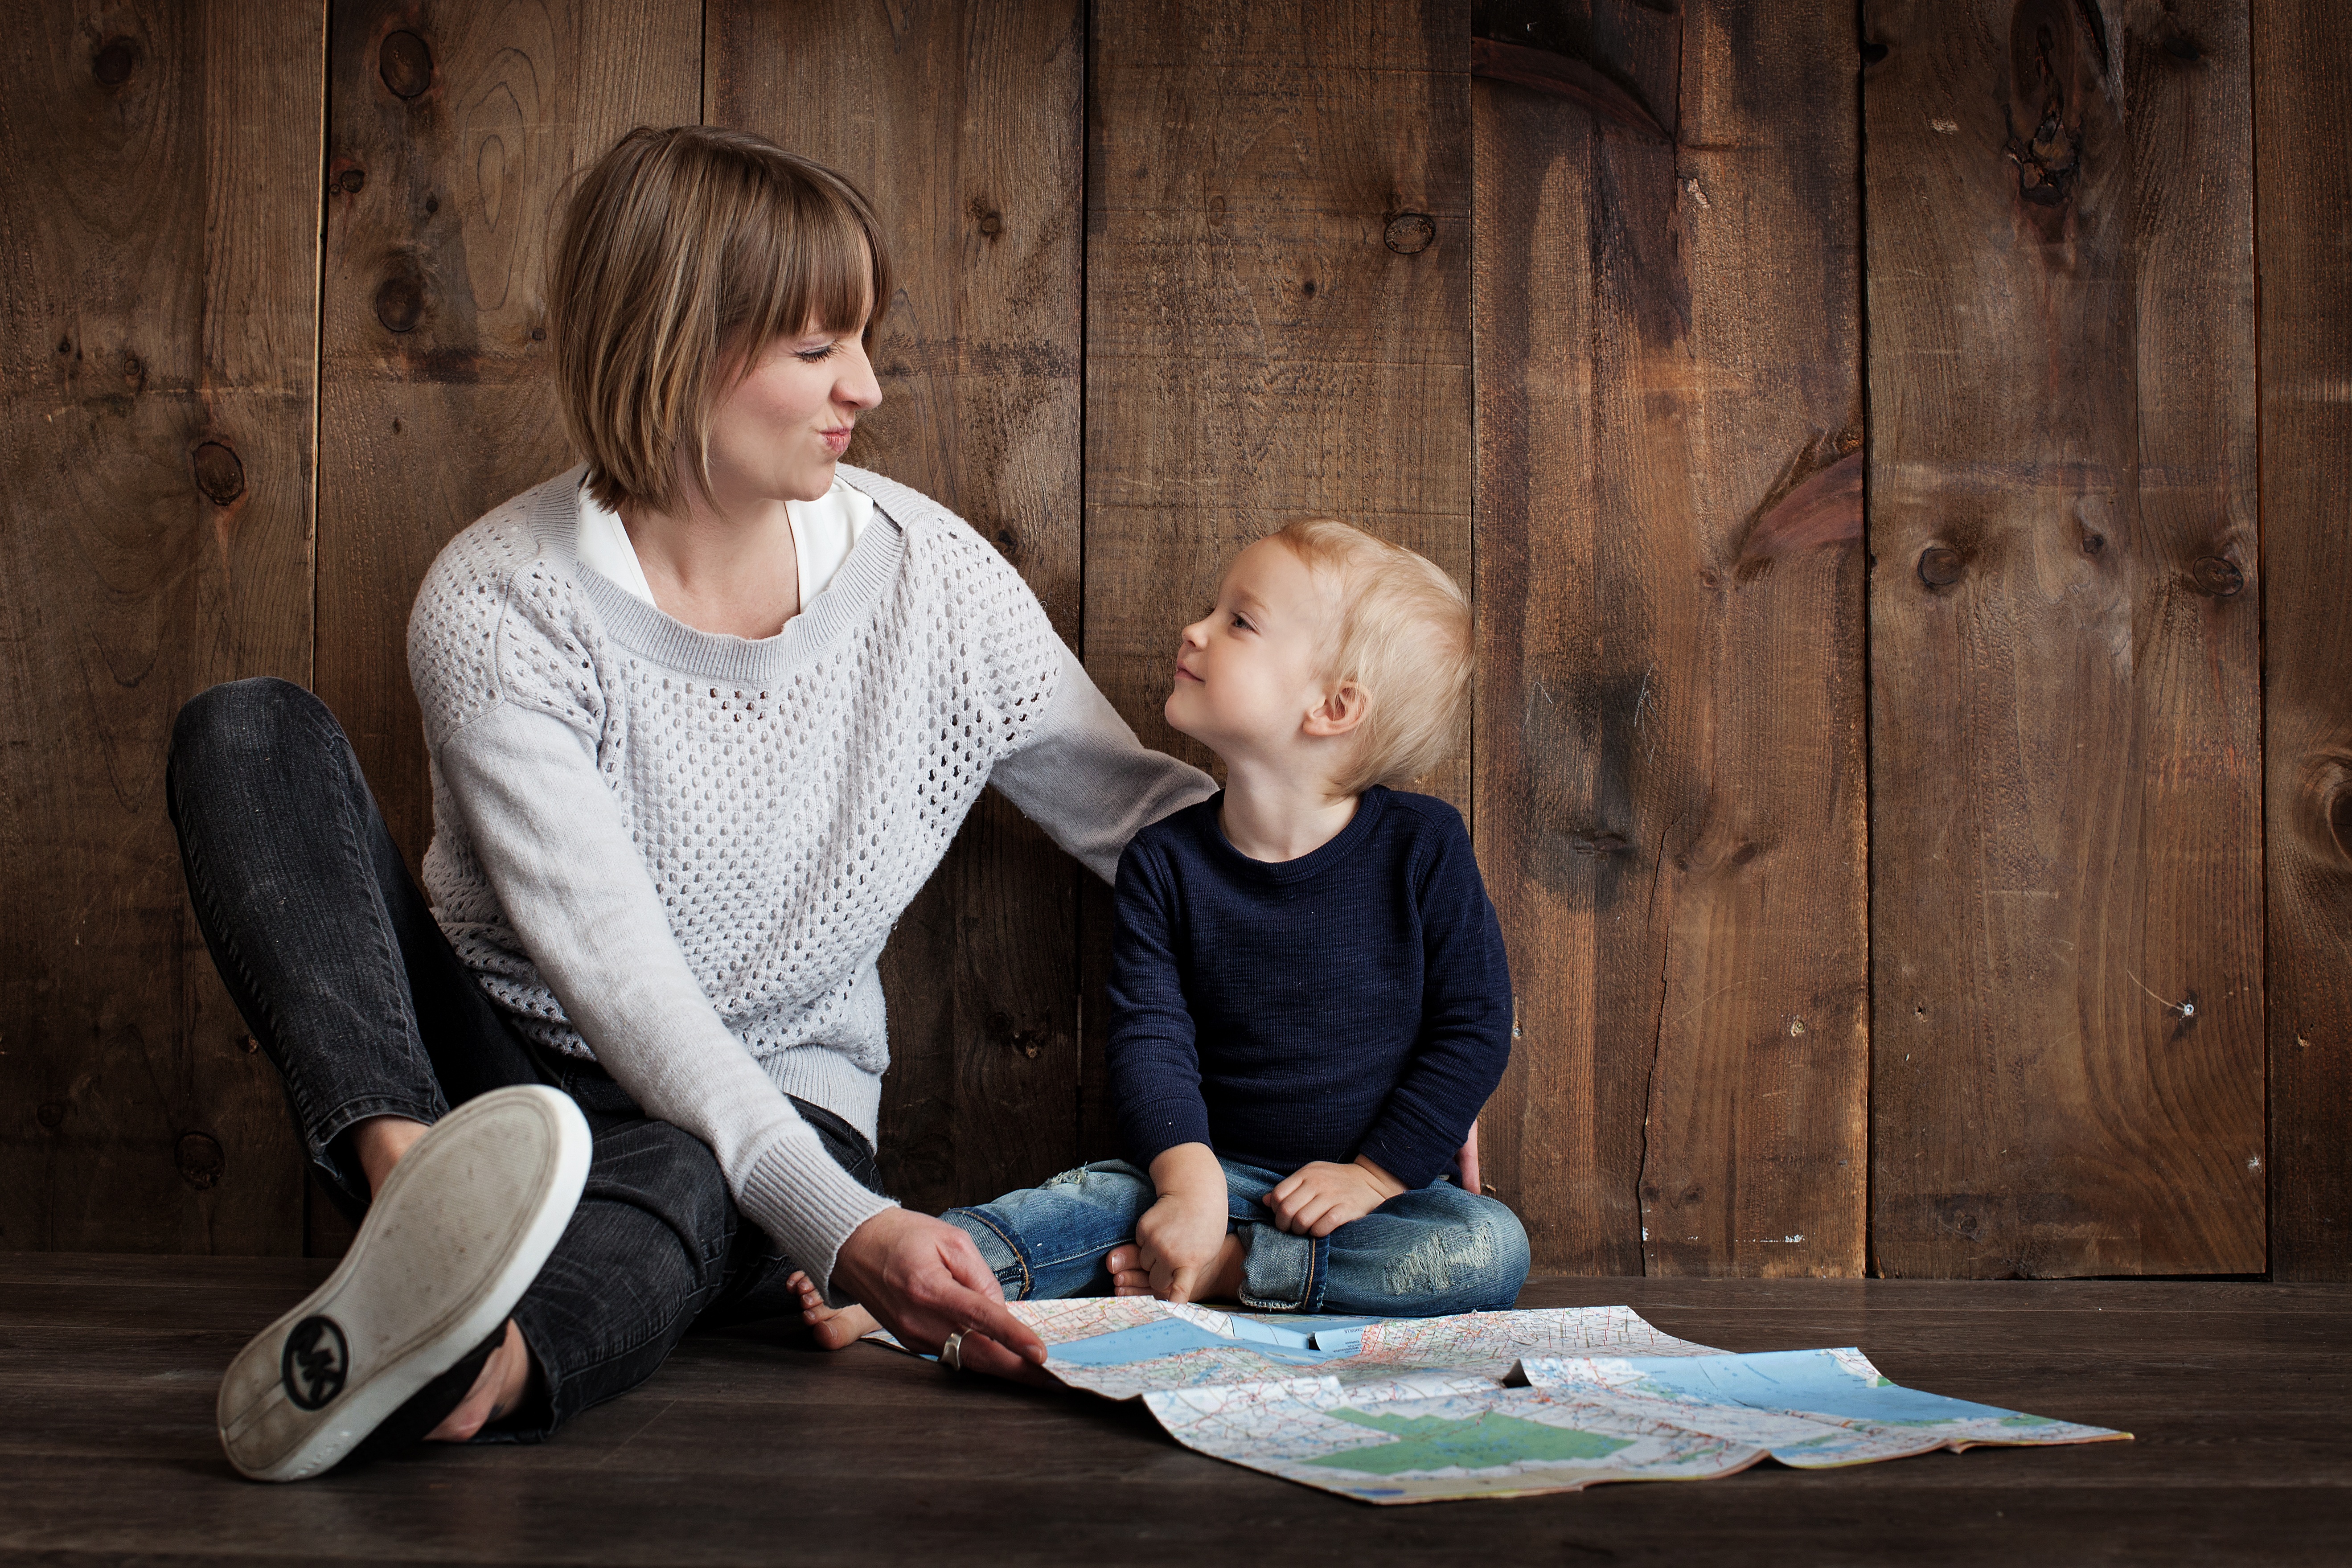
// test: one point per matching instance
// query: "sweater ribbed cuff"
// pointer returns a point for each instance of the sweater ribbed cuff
(797, 1194)
(1156, 1126)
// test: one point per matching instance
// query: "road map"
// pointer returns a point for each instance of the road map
(1497, 1403)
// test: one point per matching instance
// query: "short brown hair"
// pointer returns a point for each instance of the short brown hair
(1403, 637)
(683, 253)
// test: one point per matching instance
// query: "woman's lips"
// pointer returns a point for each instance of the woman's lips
(836, 441)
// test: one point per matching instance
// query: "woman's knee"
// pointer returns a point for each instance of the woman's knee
(231, 723)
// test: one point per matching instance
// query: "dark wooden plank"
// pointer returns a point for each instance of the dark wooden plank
(963, 123)
(157, 167)
(2302, 65)
(2065, 862)
(2237, 1394)
(1277, 324)
(1670, 768)
(455, 132)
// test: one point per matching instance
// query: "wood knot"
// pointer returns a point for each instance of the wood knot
(1873, 51)
(115, 60)
(2216, 578)
(219, 473)
(405, 64)
(2183, 50)
(350, 182)
(1410, 234)
(201, 1161)
(400, 302)
(991, 224)
(1939, 566)
(2048, 159)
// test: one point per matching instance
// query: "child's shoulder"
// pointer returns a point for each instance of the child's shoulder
(1422, 816)
(1175, 832)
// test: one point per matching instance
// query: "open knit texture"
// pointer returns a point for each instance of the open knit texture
(681, 853)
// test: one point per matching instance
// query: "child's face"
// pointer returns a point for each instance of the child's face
(1245, 672)
(779, 433)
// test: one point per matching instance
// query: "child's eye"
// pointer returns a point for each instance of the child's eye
(1243, 622)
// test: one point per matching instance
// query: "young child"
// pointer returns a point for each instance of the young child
(1309, 999)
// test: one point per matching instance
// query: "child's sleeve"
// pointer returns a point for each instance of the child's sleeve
(1153, 1053)
(1465, 1020)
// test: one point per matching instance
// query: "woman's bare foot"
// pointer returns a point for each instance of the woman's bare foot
(837, 1328)
(1221, 1282)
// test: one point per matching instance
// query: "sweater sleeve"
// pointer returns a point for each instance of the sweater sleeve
(1082, 777)
(1465, 1020)
(1153, 1053)
(550, 838)
(501, 668)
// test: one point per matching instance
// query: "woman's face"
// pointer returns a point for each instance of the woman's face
(778, 435)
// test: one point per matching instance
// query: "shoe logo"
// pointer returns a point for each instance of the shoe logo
(315, 1362)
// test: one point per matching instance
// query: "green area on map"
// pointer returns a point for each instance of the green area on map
(1435, 1443)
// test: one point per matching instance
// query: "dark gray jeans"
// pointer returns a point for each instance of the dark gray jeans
(341, 972)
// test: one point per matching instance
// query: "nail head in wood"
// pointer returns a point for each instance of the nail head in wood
(220, 475)
(354, 180)
(1409, 234)
(52, 1115)
(200, 1160)
(2217, 578)
(1939, 566)
(405, 64)
(114, 61)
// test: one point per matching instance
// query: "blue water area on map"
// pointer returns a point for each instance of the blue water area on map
(1174, 1336)
(1344, 1336)
(1805, 1380)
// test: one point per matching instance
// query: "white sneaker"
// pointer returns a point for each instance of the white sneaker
(447, 1248)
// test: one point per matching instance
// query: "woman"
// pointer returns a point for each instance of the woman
(703, 715)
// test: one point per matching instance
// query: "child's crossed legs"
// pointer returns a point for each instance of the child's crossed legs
(1424, 1253)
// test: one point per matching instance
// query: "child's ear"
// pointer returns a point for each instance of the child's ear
(1339, 712)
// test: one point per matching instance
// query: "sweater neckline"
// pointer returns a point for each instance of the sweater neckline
(1369, 808)
(642, 628)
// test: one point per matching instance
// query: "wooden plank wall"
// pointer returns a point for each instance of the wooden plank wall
(1951, 884)
(2303, 148)
(158, 285)
(1670, 745)
(2065, 846)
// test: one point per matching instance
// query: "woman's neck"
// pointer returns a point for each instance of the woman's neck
(1268, 815)
(733, 574)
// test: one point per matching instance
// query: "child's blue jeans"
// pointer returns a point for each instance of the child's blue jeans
(1419, 1255)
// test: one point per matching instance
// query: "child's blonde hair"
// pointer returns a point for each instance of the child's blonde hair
(683, 254)
(1402, 637)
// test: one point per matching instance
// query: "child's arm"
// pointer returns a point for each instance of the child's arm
(1466, 1041)
(1155, 1084)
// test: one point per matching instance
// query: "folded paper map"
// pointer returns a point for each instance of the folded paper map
(1497, 1403)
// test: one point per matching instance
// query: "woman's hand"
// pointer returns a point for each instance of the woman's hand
(922, 1279)
(1320, 1198)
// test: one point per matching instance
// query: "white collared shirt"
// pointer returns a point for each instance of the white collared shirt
(824, 530)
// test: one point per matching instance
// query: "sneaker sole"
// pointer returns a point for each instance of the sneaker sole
(447, 1248)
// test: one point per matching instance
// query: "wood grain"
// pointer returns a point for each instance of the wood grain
(2237, 1393)
(1278, 318)
(964, 124)
(158, 254)
(1671, 776)
(456, 131)
(2303, 62)
(2066, 724)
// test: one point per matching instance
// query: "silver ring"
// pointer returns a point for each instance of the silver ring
(951, 1353)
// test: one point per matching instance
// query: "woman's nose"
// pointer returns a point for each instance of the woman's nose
(857, 387)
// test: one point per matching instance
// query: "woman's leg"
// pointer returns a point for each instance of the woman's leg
(1423, 1254)
(326, 946)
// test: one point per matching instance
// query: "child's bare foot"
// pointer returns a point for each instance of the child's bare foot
(1220, 1281)
(837, 1328)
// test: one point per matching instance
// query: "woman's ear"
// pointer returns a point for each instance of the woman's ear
(1339, 712)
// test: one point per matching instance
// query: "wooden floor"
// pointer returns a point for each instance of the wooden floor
(748, 1448)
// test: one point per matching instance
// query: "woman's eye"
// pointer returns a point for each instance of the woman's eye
(812, 356)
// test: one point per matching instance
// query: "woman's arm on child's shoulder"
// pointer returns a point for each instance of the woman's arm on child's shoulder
(1085, 778)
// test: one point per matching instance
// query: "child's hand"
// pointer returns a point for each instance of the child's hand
(1320, 1198)
(1179, 1239)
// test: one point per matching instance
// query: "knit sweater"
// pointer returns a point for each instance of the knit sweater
(681, 853)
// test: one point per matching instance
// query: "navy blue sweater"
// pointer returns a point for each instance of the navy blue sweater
(1353, 1001)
